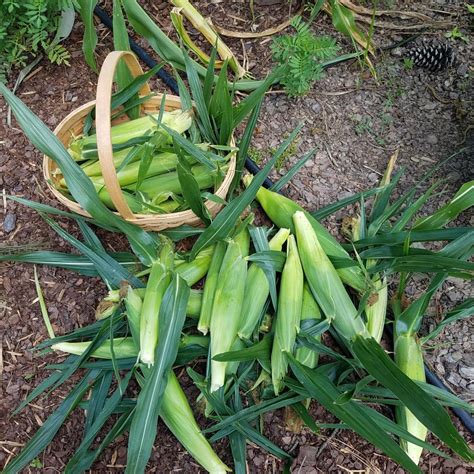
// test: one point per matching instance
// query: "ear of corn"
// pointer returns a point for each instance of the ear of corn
(193, 308)
(376, 308)
(133, 304)
(191, 272)
(324, 281)
(92, 168)
(281, 209)
(225, 319)
(242, 239)
(409, 359)
(124, 348)
(160, 164)
(158, 281)
(86, 147)
(178, 417)
(309, 310)
(257, 290)
(210, 287)
(287, 322)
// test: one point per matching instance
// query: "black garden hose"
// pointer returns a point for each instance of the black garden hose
(466, 419)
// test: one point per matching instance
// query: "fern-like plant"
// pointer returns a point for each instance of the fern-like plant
(27, 28)
(300, 56)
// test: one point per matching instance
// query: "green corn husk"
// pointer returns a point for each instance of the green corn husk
(188, 340)
(257, 289)
(288, 317)
(157, 283)
(133, 305)
(160, 164)
(280, 211)
(92, 167)
(179, 418)
(210, 287)
(169, 182)
(123, 347)
(309, 310)
(324, 281)
(193, 307)
(155, 186)
(226, 310)
(192, 272)
(86, 147)
(376, 310)
(409, 359)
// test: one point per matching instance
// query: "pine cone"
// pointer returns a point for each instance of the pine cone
(434, 57)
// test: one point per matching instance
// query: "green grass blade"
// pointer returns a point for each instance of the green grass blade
(382, 198)
(190, 148)
(127, 93)
(45, 209)
(209, 77)
(259, 350)
(424, 407)
(182, 232)
(462, 311)
(42, 387)
(244, 145)
(326, 211)
(106, 265)
(288, 176)
(43, 308)
(144, 424)
(413, 208)
(322, 389)
(123, 76)
(198, 95)
(98, 396)
(190, 187)
(108, 408)
(50, 427)
(120, 426)
(427, 264)
(398, 238)
(246, 106)
(76, 263)
(462, 200)
(89, 42)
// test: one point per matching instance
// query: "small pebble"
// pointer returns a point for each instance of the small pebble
(462, 70)
(467, 372)
(9, 223)
(432, 139)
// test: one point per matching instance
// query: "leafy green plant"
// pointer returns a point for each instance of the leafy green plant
(408, 63)
(301, 56)
(29, 28)
(456, 34)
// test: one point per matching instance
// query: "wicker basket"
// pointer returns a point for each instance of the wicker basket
(73, 124)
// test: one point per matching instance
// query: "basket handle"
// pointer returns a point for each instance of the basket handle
(103, 124)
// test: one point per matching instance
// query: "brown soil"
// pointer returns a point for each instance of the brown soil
(355, 122)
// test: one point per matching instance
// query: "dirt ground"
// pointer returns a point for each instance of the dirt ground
(356, 123)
